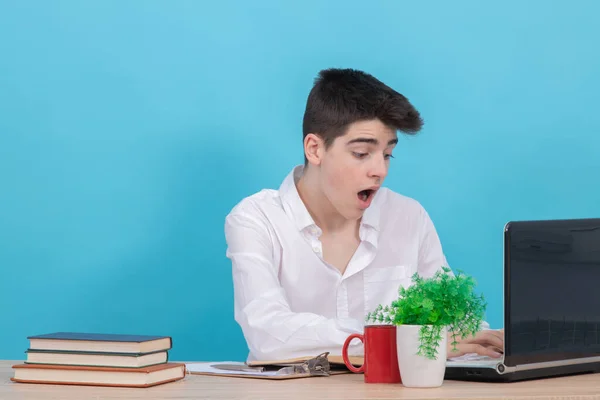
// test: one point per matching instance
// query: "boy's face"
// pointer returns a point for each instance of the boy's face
(353, 168)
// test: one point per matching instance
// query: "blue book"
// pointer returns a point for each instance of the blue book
(100, 342)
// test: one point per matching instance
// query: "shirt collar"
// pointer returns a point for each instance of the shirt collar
(371, 214)
(369, 227)
(297, 211)
(292, 203)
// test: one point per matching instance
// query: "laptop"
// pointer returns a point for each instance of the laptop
(551, 304)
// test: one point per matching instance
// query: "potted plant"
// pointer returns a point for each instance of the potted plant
(424, 313)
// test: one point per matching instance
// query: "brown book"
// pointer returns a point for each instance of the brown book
(99, 376)
(96, 359)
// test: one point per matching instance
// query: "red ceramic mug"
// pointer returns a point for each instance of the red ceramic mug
(380, 358)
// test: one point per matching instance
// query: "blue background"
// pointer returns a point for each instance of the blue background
(129, 129)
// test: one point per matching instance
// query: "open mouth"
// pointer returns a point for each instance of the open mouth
(366, 194)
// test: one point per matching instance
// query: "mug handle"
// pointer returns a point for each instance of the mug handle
(345, 353)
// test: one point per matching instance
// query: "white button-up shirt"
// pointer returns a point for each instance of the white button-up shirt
(289, 302)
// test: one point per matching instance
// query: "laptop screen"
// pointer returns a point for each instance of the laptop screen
(553, 290)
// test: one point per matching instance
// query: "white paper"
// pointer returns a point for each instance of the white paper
(206, 367)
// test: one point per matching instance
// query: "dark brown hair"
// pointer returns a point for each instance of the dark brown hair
(340, 97)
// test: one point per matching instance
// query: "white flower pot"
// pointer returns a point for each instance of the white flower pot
(416, 370)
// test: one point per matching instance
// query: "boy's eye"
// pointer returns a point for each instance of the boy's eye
(388, 156)
(359, 155)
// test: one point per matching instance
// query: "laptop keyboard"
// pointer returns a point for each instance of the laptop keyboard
(474, 359)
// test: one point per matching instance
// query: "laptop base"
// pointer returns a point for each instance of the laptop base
(487, 374)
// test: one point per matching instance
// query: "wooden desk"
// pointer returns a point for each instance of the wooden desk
(349, 386)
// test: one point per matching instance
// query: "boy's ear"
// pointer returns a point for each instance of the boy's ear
(314, 148)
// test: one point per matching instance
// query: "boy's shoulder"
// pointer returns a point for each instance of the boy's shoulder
(257, 203)
(399, 213)
(396, 201)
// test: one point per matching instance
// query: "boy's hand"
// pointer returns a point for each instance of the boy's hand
(486, 343)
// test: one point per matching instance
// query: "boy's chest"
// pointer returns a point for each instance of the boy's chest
(338, 250)
(370, 274)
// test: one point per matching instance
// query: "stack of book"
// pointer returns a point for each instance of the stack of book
(71, 358)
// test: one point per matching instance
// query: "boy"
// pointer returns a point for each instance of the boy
(311, 259)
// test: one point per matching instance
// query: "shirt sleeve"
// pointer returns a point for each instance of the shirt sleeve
(272, 330)
(431, 254)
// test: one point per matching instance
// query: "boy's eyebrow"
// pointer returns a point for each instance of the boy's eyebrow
(371, 141)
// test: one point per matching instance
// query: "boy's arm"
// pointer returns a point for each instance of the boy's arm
(431, 259)
(271, 329)
(431, 255)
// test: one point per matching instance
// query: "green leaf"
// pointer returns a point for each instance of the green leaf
(445, 299)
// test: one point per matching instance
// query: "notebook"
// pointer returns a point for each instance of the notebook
(334, 361)
(276, 370)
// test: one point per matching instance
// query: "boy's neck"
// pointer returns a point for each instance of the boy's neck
(319, 207)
